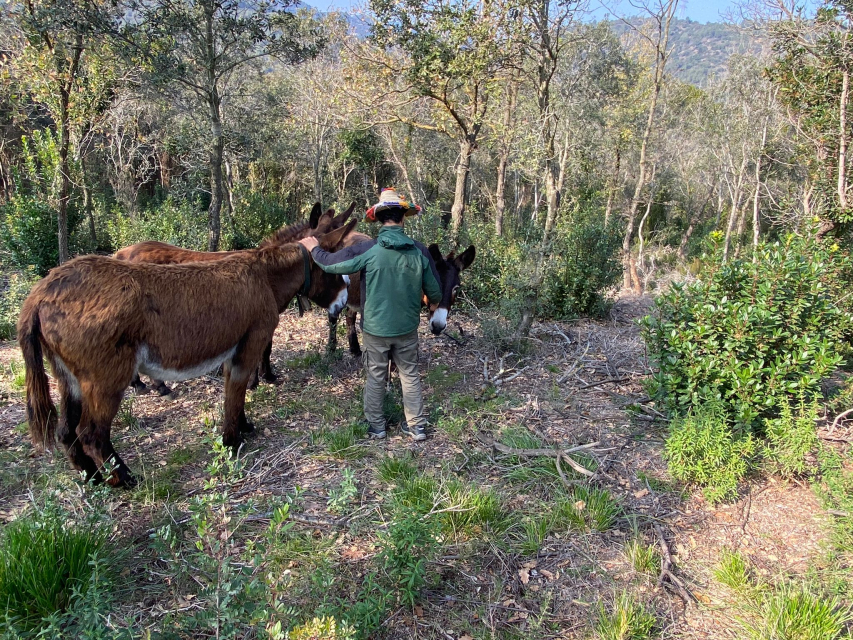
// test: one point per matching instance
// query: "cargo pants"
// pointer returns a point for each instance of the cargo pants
(403, 350)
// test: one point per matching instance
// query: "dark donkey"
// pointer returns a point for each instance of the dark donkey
(98, 321)
(161, 253)
(449, 268)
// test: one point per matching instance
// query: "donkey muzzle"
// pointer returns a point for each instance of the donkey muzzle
(438, 322)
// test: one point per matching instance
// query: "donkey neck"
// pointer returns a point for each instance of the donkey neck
(285, 272)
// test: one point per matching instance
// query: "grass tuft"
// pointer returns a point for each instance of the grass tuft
(794, 612)
(345, 442)
(396, 470)
(645, 558)
(629, 620)
(733, 571)
(43, 562)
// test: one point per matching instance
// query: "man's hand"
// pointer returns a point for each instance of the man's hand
(309, 243)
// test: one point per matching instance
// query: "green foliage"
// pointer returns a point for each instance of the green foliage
(256, 216)
(28, 228)
(49, 563)
(15, 290)
(645, 558)
(796, 612)
(182, 223)
(792, 438)
(598, 508)
(586, 262)
(343, 495)
(396, 470)
(325, 628)
(629, 620)
(733, 571)
(702, 448)
(750, 334)
(408, 544)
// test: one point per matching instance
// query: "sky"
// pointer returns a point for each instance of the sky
(697, 10)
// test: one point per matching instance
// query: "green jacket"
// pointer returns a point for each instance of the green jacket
(394, 270)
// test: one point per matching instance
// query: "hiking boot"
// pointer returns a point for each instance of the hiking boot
(415, 433)
(375, 433)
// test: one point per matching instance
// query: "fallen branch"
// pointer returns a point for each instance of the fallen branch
(666, 566)
(838, 419)
(552, 453)
(600, 382)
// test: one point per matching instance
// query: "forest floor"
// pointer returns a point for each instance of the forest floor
(528, 550)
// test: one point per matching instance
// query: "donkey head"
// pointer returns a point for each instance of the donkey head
(329, 290)
(449, 267)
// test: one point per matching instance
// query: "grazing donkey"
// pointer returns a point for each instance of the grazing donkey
(161, 253)
(449, 268)
(98, 321)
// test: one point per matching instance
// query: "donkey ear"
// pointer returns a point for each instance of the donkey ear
(323, 224)
(316, 212)
(333, 239)
(435, 252)
(467, 257)
(338, 221)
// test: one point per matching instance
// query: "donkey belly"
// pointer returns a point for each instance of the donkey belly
(150, 366)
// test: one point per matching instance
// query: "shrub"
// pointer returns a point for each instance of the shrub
(751, 334)
(47, 564)
(325, 628)
(28, 228)
(791, 438)
(12, 295)
(406, 547)
(702, 448)
(585, 263)
(255, 217)
(179, 222)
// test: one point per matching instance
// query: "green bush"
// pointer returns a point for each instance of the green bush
(256, 216)
(585, 263)
(28, 229)
(751, 334)
(13, 292)
(702, 448)
(792, 438)
(179, 222)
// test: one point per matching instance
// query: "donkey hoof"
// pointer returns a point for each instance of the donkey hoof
(247, 427)
(271, 378)
(253, 384)
(355, 351)
(163, 390)
(139, 388)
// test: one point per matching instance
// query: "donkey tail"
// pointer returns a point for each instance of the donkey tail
(41, 412)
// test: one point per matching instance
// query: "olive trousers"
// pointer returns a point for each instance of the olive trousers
(403, 350)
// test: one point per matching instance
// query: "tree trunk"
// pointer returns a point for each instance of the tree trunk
(842, 142)
(756, 197)
(216, 190)
(500, 188)
(466, 148)
(65, 177)
(88, 207)
(736, 196)
(661, 56)
(611, 187)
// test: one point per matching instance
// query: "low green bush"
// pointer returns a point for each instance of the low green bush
(752, 334)
(702, 448)
(792, 440)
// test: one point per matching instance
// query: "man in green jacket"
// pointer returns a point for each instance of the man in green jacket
(394, 271)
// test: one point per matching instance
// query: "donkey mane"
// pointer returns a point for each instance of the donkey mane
(284, 235)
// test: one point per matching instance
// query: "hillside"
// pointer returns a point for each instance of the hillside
(701, 51)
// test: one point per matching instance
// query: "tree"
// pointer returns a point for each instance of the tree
(812, 71)
(58, 36)
(454, 55)
(661, 14)
(203, 47)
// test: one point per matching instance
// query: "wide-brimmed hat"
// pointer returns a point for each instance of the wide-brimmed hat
(390, 199)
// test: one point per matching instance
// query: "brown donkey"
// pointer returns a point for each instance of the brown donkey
(98, 321)
(161, 253)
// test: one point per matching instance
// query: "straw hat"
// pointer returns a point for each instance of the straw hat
(389, 199)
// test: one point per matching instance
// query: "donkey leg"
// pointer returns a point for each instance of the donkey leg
(352, 334)
(237, 373)
(332, 344)
(139, 387)
(71, 411)
(265, 370)
(160, 387)
(94, 429)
